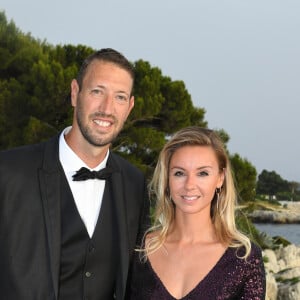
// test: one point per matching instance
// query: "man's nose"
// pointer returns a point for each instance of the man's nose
(107, 104)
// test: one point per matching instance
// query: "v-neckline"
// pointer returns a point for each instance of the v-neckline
(222, 257)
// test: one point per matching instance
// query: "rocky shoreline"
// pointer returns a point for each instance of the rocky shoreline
(288, 213)
(283, 264)
(283, 273)
(276, 217)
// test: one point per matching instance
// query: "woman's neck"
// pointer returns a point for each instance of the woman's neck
(192, 229)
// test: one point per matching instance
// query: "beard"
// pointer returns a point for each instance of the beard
(95, 137)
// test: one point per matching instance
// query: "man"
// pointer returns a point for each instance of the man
(63, 235)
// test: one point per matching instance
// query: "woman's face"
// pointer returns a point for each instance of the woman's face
(194, 176)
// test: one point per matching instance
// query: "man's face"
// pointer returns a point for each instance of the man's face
(104, 102)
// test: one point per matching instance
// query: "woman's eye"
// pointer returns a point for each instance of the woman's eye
(203, 173)
(178, 173)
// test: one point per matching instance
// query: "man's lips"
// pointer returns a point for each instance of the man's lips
(103, 120)
(102, 123)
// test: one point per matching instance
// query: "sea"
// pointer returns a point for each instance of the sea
(290, 232)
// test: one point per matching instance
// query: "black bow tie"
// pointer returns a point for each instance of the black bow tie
(84, 174)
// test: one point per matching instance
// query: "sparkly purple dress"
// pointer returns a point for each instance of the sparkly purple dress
(231, 278)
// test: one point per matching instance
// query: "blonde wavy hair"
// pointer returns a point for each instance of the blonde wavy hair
(223, 205)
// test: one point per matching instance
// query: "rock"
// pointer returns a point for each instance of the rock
(279, 217)
(292, 273)
(271, 286)
(289, 291)
(282, 273)
(271, 263)
(295, 206)
(288, 257)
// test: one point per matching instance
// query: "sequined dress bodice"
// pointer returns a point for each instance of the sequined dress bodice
(231, 278)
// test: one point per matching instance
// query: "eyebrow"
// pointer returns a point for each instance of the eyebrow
(105, 88)
(199, 168)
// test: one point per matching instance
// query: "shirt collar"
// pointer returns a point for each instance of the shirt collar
(69, 159)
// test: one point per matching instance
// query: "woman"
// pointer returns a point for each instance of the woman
(194, 250)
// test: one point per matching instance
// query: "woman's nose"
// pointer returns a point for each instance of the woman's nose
(190, 182)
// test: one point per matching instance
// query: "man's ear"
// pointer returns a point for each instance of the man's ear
(74, 92)
(131, 105)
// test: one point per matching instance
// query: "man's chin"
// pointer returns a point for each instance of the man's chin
(104, 140)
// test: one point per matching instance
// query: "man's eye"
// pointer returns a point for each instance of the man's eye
(96, 92)
(122, 98)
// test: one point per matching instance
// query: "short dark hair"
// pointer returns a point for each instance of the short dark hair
(107, 55)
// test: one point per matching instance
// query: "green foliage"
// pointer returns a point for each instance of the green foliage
(34, 86)
(252, 206)
(37, 131)
(271, 183)
(281, 196)
(34, 98)
(35, 104)
(162, 106)
(246, 226)
(223, 135)
(279, 240)
(14, 112)
(265, 259)
(178, 110)
(148, 97)
(69, 55)
(140, 145)
(292, 195)
(34, 101)
(245, 176)
(262, 239)
(161, 103)
(290, 281)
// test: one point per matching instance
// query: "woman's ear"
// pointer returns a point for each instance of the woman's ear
(221, 178)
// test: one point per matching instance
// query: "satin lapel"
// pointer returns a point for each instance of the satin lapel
(49, 177)
(121, 214)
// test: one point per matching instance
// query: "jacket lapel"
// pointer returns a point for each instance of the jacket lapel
(49, 177)
(121, 213)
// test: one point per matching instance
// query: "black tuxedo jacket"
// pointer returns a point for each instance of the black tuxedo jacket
(30, 220)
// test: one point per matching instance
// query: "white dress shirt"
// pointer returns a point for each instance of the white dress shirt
(88, 193)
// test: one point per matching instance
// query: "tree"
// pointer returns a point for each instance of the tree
(270, 183)
(162, 106)
(35, 104)
(245, 176)
(14, 112)
(294, 187)
(34, 86)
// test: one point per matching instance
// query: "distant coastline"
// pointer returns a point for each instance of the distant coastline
(287, 213)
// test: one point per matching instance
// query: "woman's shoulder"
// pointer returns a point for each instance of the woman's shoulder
(254, 256)
(255, 249)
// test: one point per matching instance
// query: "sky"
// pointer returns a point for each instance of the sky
(239, 59)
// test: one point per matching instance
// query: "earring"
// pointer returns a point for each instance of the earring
(218, 192)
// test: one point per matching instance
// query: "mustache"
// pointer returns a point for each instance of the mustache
(100, 114)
